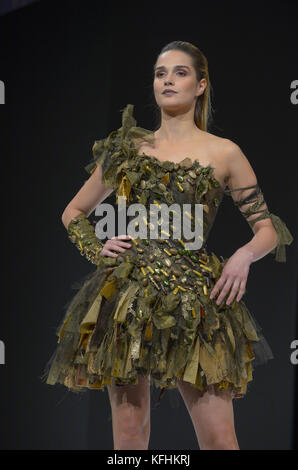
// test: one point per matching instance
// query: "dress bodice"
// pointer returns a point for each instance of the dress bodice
(176, 185)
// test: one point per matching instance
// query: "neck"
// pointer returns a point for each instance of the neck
(177, 127)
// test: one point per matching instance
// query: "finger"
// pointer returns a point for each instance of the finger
(218, 285)
(241, 290)
(120, 243)
(233, 291)
(224, 291)
(123, 236)
(115, 247)
(111, 254)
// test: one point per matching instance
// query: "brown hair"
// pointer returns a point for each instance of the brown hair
(203, 107)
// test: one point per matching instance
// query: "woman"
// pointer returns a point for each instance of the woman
(154, 309)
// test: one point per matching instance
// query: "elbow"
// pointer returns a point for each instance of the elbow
(63, 218)
(64, 214)
(276, 238)
(68, 214)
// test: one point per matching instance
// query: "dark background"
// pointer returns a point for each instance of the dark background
(69, 68)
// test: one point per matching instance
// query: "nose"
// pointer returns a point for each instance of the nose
(168, 80)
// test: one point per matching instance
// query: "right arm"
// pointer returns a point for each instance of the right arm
(92, 193)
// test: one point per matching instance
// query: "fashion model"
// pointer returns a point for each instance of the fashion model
(155, 311)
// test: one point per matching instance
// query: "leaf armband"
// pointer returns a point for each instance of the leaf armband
(81, 232)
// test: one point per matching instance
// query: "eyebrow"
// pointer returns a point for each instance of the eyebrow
(176, 66)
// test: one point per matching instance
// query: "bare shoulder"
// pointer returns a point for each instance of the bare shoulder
(231, 151)
(240, 172)
(232, 157)
(222, 147)
(219, 151)
(238, 164)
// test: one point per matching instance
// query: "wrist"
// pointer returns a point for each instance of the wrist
(82, 234)
(248, 252)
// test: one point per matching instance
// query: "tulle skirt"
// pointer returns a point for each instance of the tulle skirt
(114, 329)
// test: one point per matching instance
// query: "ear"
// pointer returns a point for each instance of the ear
(202, 84)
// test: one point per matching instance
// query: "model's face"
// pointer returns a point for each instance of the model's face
(174, 71)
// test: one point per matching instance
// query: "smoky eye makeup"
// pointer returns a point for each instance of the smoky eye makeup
(158, 73)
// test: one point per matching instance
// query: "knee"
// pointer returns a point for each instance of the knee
(132, 422)
(224, 439)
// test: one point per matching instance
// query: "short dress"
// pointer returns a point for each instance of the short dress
(149, 311)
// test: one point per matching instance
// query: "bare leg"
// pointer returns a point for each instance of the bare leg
(212, 415)
(130, 405)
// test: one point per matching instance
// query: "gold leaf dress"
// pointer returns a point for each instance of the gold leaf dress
(148, 311)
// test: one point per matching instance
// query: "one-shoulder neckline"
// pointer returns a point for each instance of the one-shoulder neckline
(194, 161)
(146, 134)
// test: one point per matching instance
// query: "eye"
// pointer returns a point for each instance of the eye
(158, 74)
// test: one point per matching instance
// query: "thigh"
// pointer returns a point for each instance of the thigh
(131, 402)
(211, 412)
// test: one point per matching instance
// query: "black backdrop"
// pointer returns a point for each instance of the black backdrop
(69, 67)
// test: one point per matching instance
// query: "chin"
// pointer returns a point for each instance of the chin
(172, 104)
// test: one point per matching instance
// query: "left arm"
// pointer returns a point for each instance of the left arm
(241, 175)
(248, 197)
